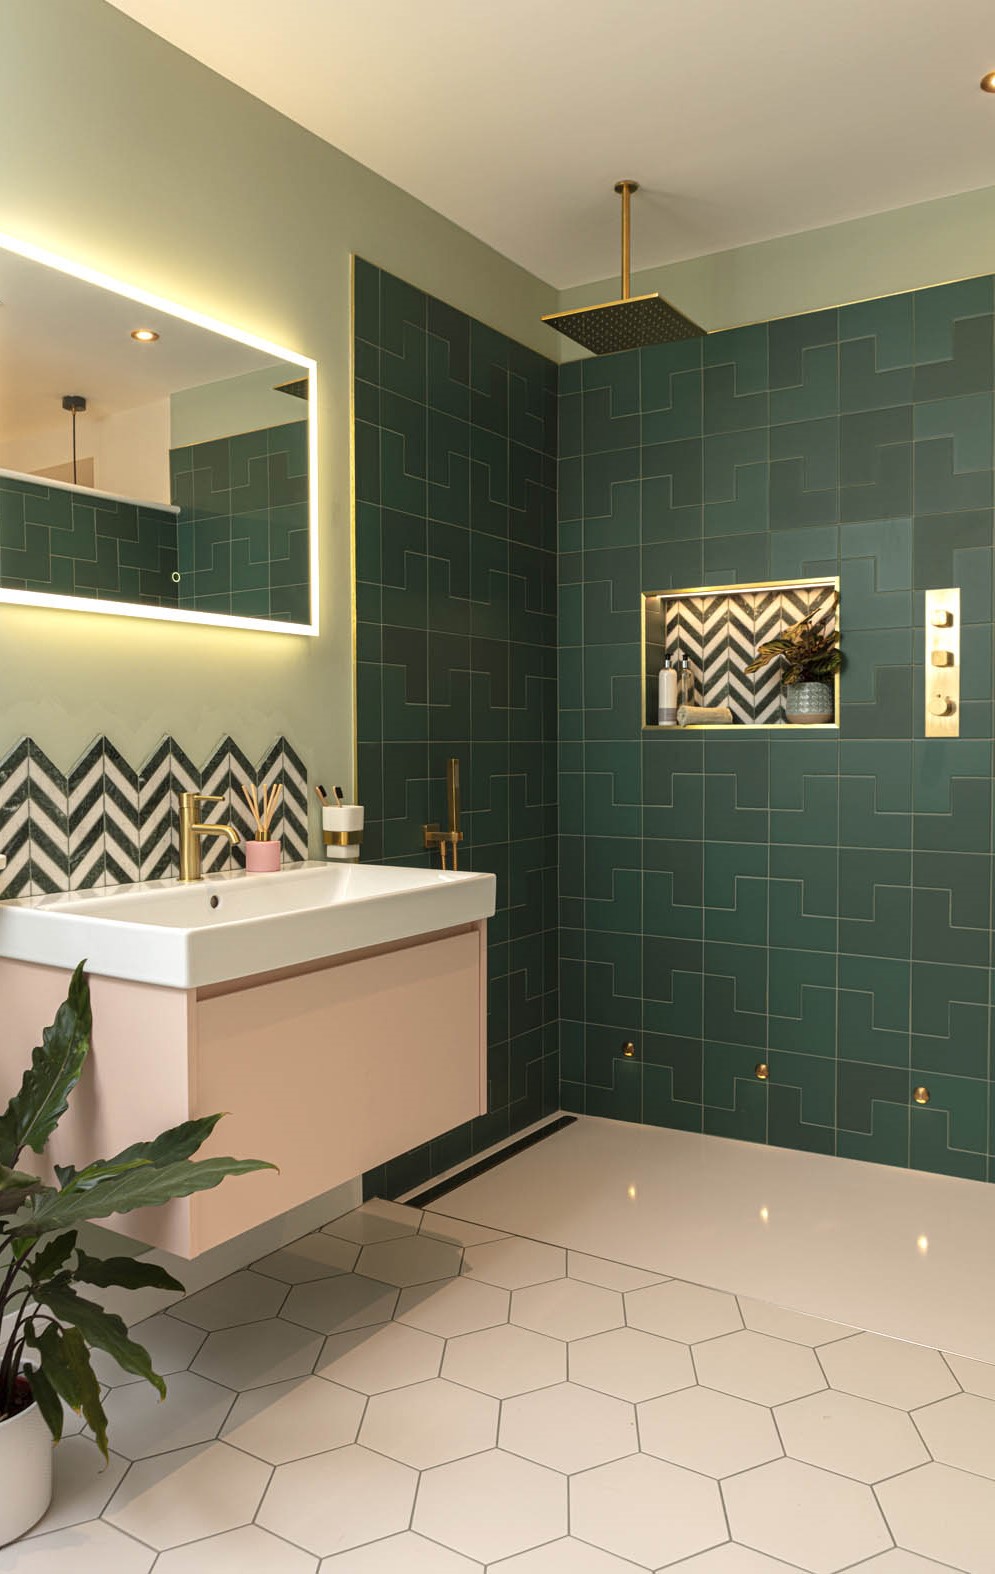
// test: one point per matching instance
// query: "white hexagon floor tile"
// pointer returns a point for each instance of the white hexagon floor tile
(456, 1306)
(414, 1259)
(732, 1558)
(93, 1548)
(286, 1421)
(647, 1511)
(893, 1373)
(630, 1364)
(898, 1561)
(183, 1496)
(610, 1275)
(568, 1428)
(386, 1355)
(854, 1437)
(513, 1263)
(505, 1360)
(685, 1312)
(458, 1231)
(407, 1553)
(755, 1366)
(244, 1297)
(710, 1432)
(491, 1505)
(377, 1220)
(430, 1423)
(960, 1431)
(317, 1256)
(764, 1318)
(568, 1556)
(332, 1305)
(567, 1309)
(248, 1550)
(338, 1500)
(248, 1357)
(805, 1516)
(142, 1424)
(943, 1514)
(82, 1484)
(975, 1377)
(171, 1344)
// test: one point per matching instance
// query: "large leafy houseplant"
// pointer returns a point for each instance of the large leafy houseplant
(50, 1328)
(809, 649)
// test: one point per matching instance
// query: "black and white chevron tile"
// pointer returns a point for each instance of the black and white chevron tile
(720, 635)
(106, 822)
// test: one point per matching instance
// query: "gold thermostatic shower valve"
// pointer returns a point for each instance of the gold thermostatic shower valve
(942, 656)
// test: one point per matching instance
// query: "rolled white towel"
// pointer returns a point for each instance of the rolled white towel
(703, 716)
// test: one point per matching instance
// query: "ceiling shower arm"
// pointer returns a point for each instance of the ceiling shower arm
(625, 188)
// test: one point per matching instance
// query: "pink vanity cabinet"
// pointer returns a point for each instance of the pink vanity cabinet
(326, 1069)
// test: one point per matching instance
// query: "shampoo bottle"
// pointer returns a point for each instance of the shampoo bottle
(667, 702)
(685, 682)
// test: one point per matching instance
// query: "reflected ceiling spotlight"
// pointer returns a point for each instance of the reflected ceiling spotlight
(76, 405)
(144, 335)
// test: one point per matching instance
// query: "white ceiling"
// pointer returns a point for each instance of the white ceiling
(742, 119)
(61, 335)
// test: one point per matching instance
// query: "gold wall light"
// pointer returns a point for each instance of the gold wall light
(761, 1071)
(628, 1050)
(988, 82)
(920, 1095)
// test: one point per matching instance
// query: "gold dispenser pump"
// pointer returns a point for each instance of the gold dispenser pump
(633, 320)
(453, 836)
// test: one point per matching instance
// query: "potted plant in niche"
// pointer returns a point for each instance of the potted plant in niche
(811, 656)
(49, 1328)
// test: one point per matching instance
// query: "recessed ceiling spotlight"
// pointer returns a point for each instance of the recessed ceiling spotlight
(988, 82)
(144, 335)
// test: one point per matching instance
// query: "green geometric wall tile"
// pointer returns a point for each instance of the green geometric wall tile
(874, 1010)
(950, 1019)
(623, 1099)
(804, 554)
(873, 1112)
(736, 379)
(673, 787)
(801, 1102)
(612, 789)
(735, 993)
(571, 423)
(612, 690)
(875, 902)
(876, 793)
(736, 482)
(876, 353)
(803, 367)
(803, 898)
(804, 791)
(672, 565)
(736, 892)
(611, 596)
(735, 1103)
(953, 454)
(488, 378)
(953, 340)
(733, 560)
(672, 986)
(672, 888)
(672, 490)
(876, 581)
(951, 908)
(672, 1082)
(952, 794)
(607, 423)
(736, 789)
(804, 466)
(949, 1135)
(956, 549)
(671, 391)
(802, 1002)
(448, 359)
(876, 684)
(876, 464)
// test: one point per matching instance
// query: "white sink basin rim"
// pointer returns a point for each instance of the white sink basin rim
(233, 926)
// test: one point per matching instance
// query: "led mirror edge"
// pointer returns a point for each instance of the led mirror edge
(135, 609)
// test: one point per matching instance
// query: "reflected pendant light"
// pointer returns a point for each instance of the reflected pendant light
(632, 321)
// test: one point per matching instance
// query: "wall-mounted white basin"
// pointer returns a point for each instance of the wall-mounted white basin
(233, 926)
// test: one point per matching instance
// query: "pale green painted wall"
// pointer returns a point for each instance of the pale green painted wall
(928, 243)
(124, 153)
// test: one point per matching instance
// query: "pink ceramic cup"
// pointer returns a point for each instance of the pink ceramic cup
(262, 857)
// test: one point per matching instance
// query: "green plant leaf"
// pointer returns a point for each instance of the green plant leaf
(65, 1361)
(16, 1188)
(35, 1110)
(180, 1142)
(145, 1187)
(100, 1170)
(53, 1256)
(103, 1330)
(128, 1273)
(46, 1399)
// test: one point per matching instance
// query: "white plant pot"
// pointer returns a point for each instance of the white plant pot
(808, 704)
(25, 1471)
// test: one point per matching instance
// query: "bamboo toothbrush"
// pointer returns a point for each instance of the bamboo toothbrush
(263, 816)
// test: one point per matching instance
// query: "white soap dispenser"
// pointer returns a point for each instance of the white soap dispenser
(667, 699)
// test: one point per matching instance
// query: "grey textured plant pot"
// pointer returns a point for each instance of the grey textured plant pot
(807, 704)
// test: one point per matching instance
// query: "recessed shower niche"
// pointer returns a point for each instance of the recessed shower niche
(720, 628)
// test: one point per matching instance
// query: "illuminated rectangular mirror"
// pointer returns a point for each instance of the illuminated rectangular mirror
(153, 462)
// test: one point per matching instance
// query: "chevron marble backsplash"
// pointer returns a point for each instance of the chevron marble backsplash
(107, 822)
(720, 635)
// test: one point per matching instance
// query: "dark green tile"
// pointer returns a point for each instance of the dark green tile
(874, 1010)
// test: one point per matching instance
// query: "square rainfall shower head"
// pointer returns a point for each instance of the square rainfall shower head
(625, 325)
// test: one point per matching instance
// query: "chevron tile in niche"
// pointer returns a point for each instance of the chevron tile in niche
(107, 822)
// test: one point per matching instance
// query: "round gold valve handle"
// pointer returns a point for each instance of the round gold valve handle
(940, 706)
(941, 658)
(941, 618)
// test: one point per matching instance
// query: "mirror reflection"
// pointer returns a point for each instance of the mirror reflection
(147, 460)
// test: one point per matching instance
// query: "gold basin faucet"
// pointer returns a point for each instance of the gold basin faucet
(453, 836)
(191, 833)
